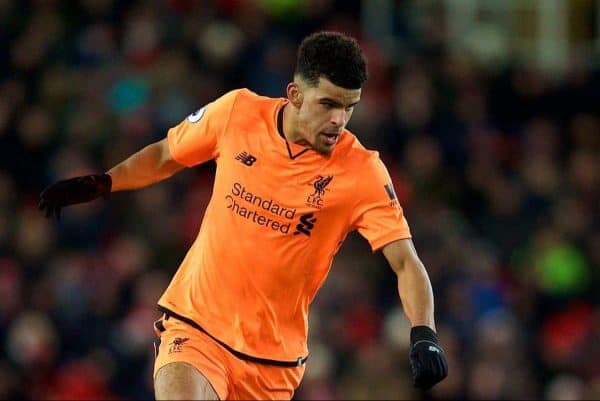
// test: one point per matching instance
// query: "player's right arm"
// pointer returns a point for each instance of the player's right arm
(150, 165)
(193, 141)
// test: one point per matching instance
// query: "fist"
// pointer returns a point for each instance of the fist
(427, 359)
(74, 190)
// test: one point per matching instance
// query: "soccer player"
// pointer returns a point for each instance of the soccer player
(291, 182)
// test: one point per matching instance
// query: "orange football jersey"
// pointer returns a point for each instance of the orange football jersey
(277, 216)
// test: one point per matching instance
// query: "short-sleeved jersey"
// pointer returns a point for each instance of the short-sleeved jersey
(278, 214)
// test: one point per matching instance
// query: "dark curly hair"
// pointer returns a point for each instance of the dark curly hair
(334, 56)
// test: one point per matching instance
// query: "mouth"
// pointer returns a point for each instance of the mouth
(330, 139)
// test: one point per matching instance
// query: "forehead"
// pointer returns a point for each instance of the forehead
(327, 90)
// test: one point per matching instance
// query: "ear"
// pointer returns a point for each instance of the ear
(294, 94)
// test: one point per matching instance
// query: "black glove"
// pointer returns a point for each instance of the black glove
(427, 360)
(72, 191)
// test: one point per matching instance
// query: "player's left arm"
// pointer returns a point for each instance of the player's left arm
(380, 219)
(427, 360)
(414, 286)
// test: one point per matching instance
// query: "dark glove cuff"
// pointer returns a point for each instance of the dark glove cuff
(422, 333)
(105, 181)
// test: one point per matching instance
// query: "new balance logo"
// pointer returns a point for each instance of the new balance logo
(246, 158)
(433, 349)
(307, 222)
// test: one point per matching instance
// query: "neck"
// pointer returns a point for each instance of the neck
(290, 126)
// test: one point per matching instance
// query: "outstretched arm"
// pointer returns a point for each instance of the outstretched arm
(427, 360)
(152, 164)
(194, 140)
(148, 166)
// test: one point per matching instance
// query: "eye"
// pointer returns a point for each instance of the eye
(327, 105)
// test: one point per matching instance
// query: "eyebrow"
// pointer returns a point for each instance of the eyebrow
(336, 103)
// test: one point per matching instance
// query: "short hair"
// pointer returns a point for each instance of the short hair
(334, 56)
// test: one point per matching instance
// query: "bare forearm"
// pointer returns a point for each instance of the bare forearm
(146, 167)
(416, 293)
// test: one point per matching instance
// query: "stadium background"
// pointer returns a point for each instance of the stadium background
(486, 113)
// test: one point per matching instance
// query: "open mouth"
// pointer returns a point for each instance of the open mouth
(331, 139)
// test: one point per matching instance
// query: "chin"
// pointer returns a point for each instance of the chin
(325, 151)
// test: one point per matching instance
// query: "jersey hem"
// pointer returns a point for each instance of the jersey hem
(242, 355)
(388, 239)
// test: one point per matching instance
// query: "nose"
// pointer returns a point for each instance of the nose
(338, 117)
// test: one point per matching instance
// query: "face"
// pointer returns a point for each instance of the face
(322, 112)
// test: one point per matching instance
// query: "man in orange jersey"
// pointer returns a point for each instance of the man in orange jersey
(234, 317)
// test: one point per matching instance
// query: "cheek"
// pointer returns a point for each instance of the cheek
(320, 118)
(313, 119)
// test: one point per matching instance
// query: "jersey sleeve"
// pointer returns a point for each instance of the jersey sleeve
(379, 218)
(196, 139)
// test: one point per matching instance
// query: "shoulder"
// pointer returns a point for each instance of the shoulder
(236, 96)
(245, 97)
(251, 108)
(365, 165)
(354, 153)
(240, 102)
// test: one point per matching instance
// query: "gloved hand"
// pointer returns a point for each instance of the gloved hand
(427, 359)
(74, 190)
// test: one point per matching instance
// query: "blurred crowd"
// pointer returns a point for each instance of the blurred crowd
(498, 172)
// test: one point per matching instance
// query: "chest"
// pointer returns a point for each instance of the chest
(257, 168)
